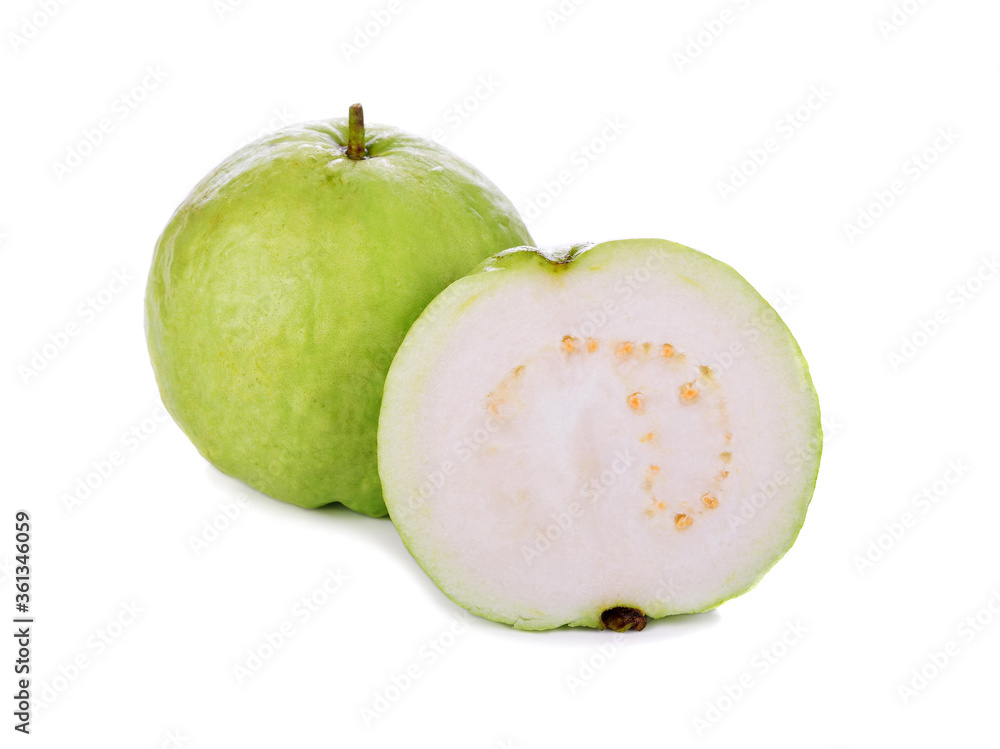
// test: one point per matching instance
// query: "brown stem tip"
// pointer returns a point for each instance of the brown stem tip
(356, 133)
(623, 618)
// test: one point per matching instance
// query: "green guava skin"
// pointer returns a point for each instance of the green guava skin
(283, 285)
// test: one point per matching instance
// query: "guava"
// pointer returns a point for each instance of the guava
(282, 286)
(598, 435)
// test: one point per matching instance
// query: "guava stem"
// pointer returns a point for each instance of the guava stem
(356, 133)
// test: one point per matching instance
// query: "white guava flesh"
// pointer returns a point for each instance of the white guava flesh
(597, 435)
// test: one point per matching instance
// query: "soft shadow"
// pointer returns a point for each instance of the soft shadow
(381, 533)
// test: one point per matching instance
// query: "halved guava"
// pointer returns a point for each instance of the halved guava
(598, 434)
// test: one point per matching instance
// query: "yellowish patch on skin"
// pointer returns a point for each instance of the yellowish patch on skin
(706, 372)
(682, 521)
(568, 344)
(660, 506)
(723, 474)
(667, 351)
(729, 437)
(624, 349)
(647, 437)
(709, 501)
(654, 469)
(591, 345)
(725, 457)
(636, 402)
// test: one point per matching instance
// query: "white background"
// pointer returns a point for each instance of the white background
(525, 92)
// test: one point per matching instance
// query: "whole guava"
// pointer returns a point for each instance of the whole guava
(283, 285)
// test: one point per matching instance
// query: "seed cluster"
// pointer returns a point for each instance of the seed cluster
(627, 354)
(688, 393)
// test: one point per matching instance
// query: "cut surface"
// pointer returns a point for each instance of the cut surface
(598, 435)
